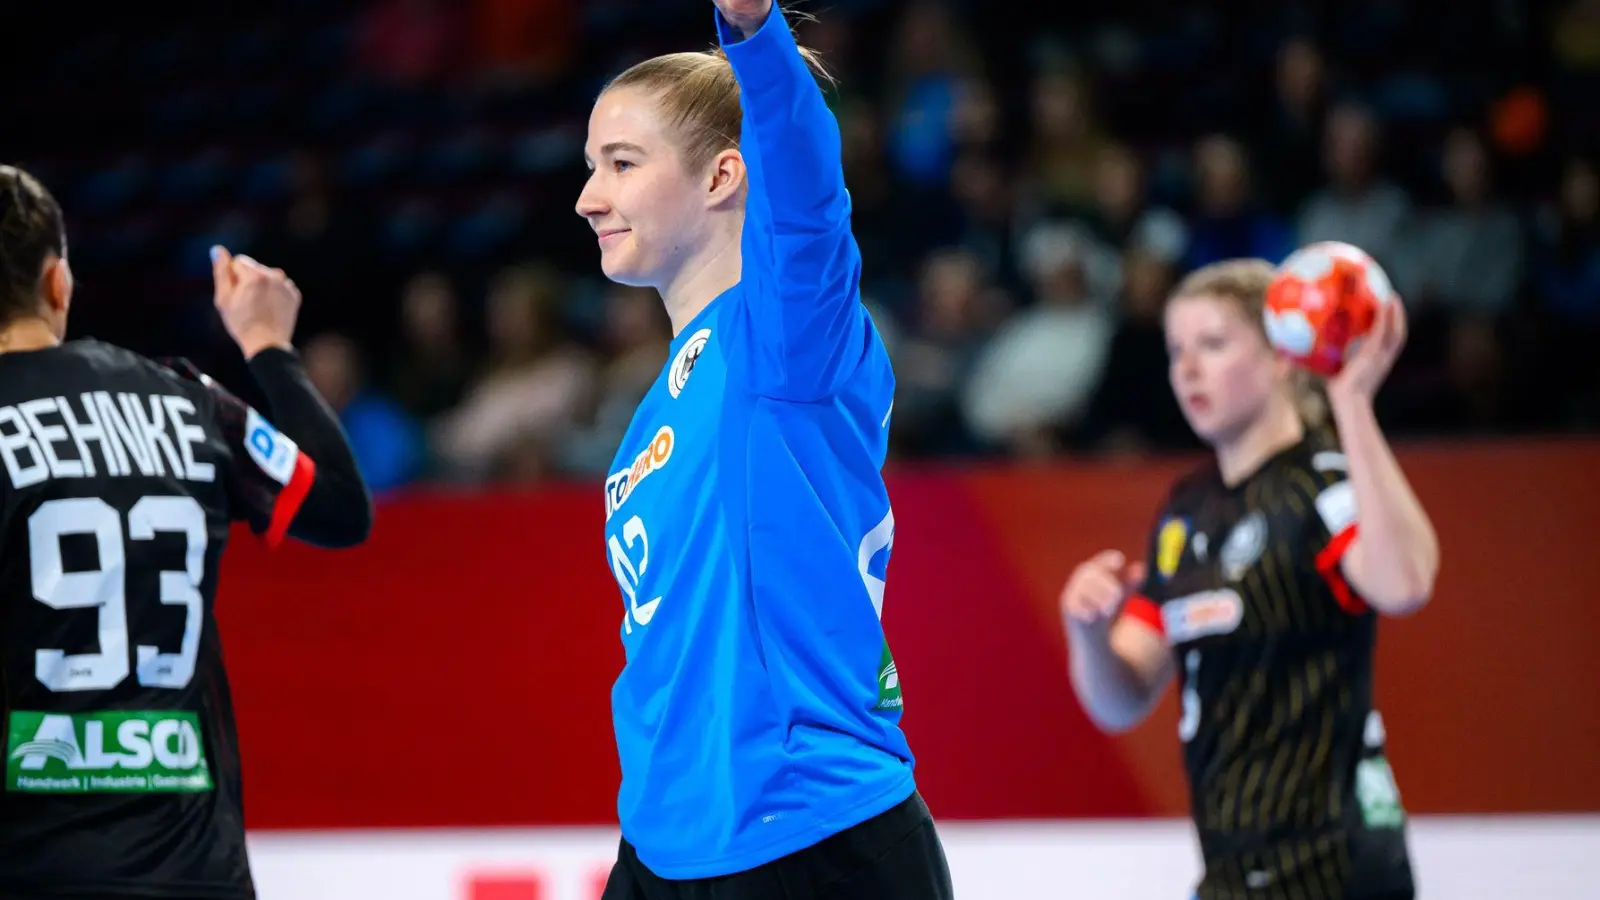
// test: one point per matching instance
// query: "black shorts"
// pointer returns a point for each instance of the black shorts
(893, 856)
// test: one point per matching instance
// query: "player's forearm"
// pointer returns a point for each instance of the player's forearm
(337, 512)
(791, 140)
(299, 411)
(797, 246)
(1110, 690)
(1395, 557)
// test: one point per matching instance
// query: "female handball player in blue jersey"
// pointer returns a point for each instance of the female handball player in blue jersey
(747, 523)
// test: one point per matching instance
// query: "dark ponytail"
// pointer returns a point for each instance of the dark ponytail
(31, 230)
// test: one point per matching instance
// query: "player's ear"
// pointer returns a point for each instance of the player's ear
(727, 178)
(56, 284)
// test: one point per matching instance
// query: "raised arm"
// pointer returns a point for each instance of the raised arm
(804, 327)
(1382, 540)
(337, 507)
(303, 481)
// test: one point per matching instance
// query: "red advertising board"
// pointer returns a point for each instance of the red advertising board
(455, 671)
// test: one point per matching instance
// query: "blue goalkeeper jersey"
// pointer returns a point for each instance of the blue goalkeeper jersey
(749, 529)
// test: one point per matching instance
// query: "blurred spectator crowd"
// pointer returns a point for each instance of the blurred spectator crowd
(1028, 184)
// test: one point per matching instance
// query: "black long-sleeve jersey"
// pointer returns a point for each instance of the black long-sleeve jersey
(1291, 791)
(122, 477)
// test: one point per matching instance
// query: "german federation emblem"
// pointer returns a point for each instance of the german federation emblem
(1243, 546)
(683, 363)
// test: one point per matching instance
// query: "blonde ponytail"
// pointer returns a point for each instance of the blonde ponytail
(1310, 398)
(698, 97)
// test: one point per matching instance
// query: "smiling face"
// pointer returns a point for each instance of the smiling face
(646, 207)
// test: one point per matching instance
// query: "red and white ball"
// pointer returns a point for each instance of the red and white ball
(1323, 302)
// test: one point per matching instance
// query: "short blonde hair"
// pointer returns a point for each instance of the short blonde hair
(1243, 282)
(699, 98)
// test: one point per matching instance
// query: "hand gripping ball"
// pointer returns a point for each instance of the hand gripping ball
(1322, 302)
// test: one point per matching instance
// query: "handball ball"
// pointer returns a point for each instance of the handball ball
(1322, 302)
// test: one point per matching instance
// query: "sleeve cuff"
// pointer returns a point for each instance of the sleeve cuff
(728, 36)
(274, 357)
(764, 57)
(1328, 565)
(1141, 609)
(290, 499)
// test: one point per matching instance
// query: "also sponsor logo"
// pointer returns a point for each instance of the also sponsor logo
(112, 752)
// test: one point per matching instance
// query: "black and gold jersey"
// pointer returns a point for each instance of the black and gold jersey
(1291, 792)
(120, 479)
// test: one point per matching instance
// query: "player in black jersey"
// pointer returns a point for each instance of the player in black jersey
(1265, 575)
(120, 479)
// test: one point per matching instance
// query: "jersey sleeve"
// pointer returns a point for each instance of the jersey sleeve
(1330, 503)
(268, 477)
(801, 329)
